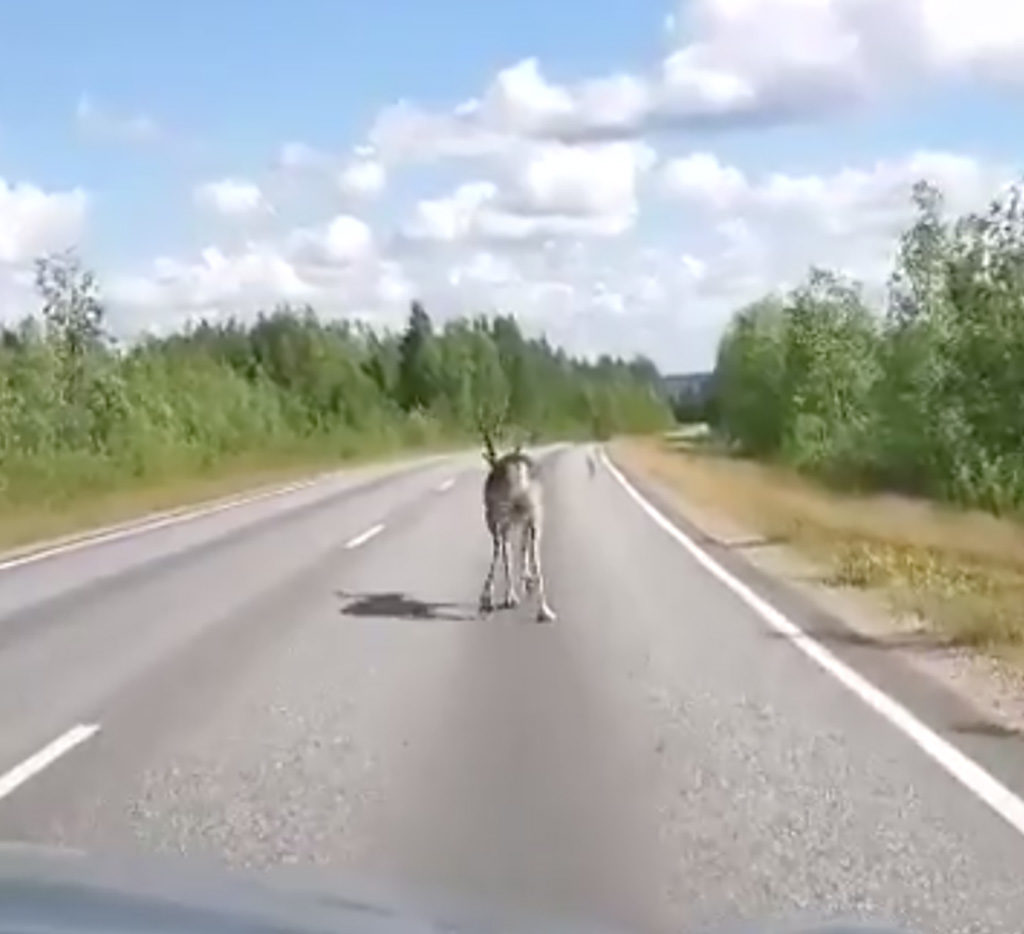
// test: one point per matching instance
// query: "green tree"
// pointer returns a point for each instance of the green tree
(419, 363)
(750, 373)
(80, 415)
(923, 398)
(71, 308)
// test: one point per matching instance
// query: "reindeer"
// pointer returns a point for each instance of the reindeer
(512, 497)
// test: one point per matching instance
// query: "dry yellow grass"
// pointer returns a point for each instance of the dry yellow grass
(960, 572)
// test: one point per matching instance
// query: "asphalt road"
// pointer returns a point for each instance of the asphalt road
(268, 696)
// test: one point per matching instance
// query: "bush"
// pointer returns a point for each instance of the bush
(924, 397)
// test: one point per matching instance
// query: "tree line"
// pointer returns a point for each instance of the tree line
(924, 396)
(78, 411)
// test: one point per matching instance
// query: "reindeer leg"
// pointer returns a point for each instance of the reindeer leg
(487, 594)
(544, 614)
(511, 598)
(526, 560)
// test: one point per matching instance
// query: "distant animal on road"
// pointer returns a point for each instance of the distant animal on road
(591, 466)
(512, 500)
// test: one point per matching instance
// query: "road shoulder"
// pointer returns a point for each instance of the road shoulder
(971, 700)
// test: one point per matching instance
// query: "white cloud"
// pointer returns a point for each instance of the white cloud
(521, 98)
(232, 197)
(611, 106)
(983, 36)
(452, 218)
(732, 61)
(501, 225)
(502, 246)
(362, 176)
(581, 180)
(404, 132)
(771, 57)
(783, 58)
(701, 177)
(100, 123)
(347, 239)
(344, 241)
(478, 212)
(768, 229)
(485, 268)
(752, 234)
(692, 268)
(848, 201)
(519, 103)
(549, 190)
(33, 221)
(393, 289)
(333, 266)
(254, 276)
(298, 156)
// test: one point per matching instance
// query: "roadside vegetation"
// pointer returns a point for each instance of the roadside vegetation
(887, 442)
(957, 573)
(91, 430)
(925, 398)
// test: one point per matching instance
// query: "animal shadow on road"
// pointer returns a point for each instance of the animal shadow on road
(989, 728)
(913, 641)
(396, 605)
(756, 541)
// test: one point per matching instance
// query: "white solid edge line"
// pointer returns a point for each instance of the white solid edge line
(965, 770)
(363, 537)
(143, 526)
(49, 754)
(447, 485)
(162, 521)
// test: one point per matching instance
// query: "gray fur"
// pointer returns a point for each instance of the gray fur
(512, 499)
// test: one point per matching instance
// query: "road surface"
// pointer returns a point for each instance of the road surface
(303, 681)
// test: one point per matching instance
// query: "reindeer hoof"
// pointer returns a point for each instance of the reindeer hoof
(545, 615)
(510, 602)
(486, 606)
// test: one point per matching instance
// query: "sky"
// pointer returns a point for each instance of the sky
(622, 175)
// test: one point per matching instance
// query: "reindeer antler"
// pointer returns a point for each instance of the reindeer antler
(489, 453)
(520, 438)
(488, 433)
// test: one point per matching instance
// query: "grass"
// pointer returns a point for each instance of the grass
(22, 524)
(961, 573)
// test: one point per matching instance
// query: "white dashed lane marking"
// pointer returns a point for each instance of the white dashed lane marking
(46, 756)
(363, 537)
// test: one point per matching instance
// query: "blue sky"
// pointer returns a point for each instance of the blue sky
(623, 176)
